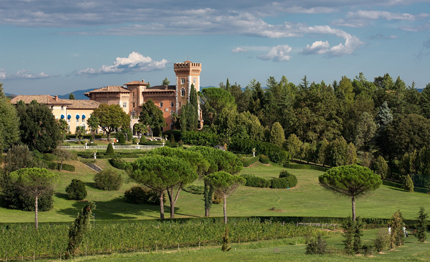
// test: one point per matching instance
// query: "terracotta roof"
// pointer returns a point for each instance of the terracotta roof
(82, 104)
(41, 99)
(136, 83)
(109, 89)
(161, 88)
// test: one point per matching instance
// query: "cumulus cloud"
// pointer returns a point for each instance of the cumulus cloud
(317, 47)
(135, 62)
(23, 74)
(277, 54)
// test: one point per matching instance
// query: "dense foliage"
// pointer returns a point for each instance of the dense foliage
(108, 179)
(255, 181)
(142, 195)
(76, 190)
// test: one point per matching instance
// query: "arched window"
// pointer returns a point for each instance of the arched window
(182, 92)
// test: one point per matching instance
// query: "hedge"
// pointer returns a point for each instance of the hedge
(118, 162)
(304, 166)
(275, 153)
(56, 166)
(247, 161)
(86, 136)
(255, 181)
(264, 159)
(104, 155)
(291, 179)
(200, 138)
(400, 185)
(176, 133)
(149, 142)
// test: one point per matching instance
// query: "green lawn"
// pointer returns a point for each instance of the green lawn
(307, 199)
(277, 250)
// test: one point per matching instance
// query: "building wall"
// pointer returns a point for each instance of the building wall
(166, 103)
(73, 121)
(187, 73)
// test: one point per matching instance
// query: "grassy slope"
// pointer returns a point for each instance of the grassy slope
(278, 250)
(307, 199)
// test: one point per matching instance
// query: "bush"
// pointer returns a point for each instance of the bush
(15, 198)
(76, 190)
(120, 138)
(108, 179)
(264, 159)
(275, 153)
(109, 150)
(118, 162)
(247, 161)
(254, 181)
(142, 195)
(193, 189)
(316, 247)
(278, 183)
(382, 240)
(135, 140)
(291, 179)
(177, 134)
(200, 138)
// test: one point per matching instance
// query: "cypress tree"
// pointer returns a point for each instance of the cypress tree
(422, 225)
(348, 230)
(9, 122)
(358, 233)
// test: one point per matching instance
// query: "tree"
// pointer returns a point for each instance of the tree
(219, 160)
(348, 232)
(151, 115)
(80, 132)
(384, 116)
(293, 145)
(197, 162)
(226, 184)
(397, 234)
(93, 122)
(277, 136)
(409, 184)
(140, 129)
(35, 182)
(111, 118)
(166, 82)
(214, 101)
(422, 225)
(71, 96)
(38, 127)
(351, 155)
(162, 174)
(322, 152)
(366, 130)
(18, 157)
(79, 228)
(358, 233)
(352, 181)
(425, 102)
(62, 155)
(381, 167)
(337, 151)
(9, 122)
(64, 127)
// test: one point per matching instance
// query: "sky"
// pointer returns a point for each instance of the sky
(55, 47)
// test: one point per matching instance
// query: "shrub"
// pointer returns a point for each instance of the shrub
(278, 183)
(120, 137)
(291, 179)
(316, 247)
(193, 189)
(142, 195)
(382, 240)
(264, 159)
(108, 179)
(200, 138)
(76, 190)
(254, 181)
(109, 150)
(409, 185)
(118, 162)
(275, 153)
(135, 140)
(247, 161)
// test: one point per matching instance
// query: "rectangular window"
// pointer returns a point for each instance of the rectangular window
(182, 80)
(134, 105)
(161, 104)
(194, 80)
(124, 104)
(172, 104)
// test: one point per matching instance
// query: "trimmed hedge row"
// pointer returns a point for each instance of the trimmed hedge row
(275, 153)
(86, 136)
(247, 161)
(177, 134)
(291, 179)
(304, 166)
(104, 155)
(255, 181)
(118, 162)
(200, 138)
(56, 166)
(399, 185)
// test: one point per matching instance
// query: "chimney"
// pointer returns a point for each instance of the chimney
(56, 98)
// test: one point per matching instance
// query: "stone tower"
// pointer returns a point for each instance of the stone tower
(187, 73)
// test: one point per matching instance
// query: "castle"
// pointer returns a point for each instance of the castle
(130, 97)
(169, 98)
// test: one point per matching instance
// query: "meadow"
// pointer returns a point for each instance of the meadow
(306, 199)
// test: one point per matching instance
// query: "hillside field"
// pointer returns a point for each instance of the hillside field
(307, 199)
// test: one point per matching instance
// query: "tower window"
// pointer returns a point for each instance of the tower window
(134, 104)
(124, 104)
(182, 80)
(161, 104)
(194, 80)
(182, 92)
(172, 104)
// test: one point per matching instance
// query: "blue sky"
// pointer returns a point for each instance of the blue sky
(55, 47)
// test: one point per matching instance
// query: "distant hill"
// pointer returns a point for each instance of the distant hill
(10, 96)
(79, 94)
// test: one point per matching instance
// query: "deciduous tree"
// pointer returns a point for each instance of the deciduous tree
(9, 122)
(277, 135)
(111, 118)
(353, 181)
(93, 122)
(151, 115)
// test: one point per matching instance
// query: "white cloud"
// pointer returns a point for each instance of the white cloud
(23, 74)
(135, 62)
(317, 47)
(362, 18)
(277, 54)
(240, 50)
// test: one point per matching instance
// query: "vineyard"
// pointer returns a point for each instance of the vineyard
(22, 242)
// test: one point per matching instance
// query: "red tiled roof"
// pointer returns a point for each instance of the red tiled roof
(136, 83)
(82, 104)
(109, 89)
(41, 99)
